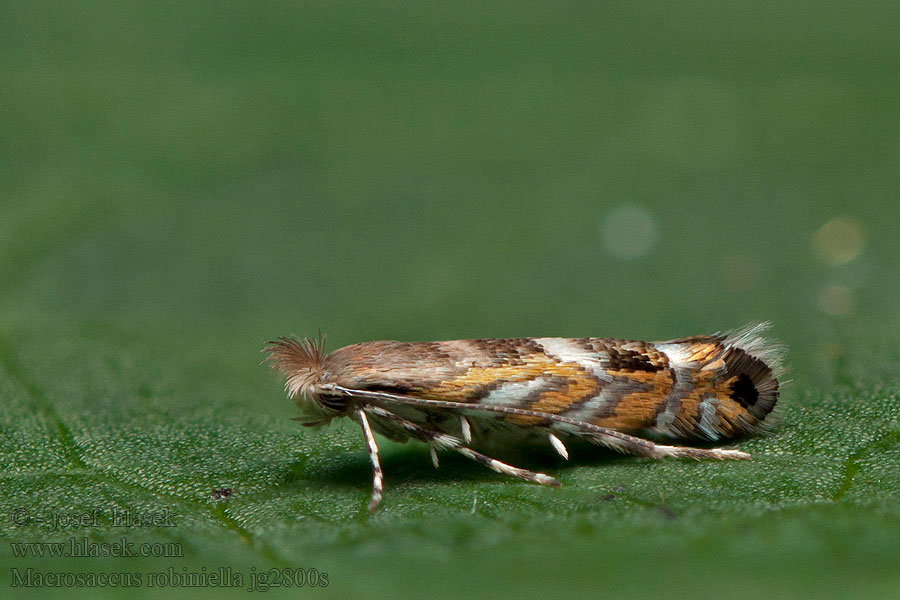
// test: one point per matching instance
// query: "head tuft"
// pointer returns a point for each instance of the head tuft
(302, 360)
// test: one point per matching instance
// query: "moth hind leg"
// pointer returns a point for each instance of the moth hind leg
(442, 440)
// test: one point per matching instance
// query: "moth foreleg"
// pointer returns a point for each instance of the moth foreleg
(447, 441)
(377, 475)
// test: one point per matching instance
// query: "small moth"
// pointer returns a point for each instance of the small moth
(463, 393)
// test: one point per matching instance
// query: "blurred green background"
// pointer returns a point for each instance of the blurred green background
(180, 182)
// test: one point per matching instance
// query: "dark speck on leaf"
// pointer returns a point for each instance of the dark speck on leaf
(220, 494)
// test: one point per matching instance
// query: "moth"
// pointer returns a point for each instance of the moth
(463, 394)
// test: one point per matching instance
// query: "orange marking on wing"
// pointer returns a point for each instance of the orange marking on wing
(728, 410)
(689, 408)
(579, 385)
(638, 410)
(703, 352)
(469, 386)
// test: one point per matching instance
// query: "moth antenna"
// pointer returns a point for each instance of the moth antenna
(466, 429)
(559, 446)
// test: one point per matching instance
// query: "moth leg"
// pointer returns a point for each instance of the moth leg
(701, 453)
(559, 446)
(447, 441)
(466, 429)
(377, 475)
(502, 467)
(630, 444)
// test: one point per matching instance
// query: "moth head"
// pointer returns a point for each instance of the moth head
(302, 361)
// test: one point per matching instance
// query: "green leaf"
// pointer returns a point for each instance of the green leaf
(179, 184)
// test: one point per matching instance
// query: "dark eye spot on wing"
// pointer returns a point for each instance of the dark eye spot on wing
(744, 392)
